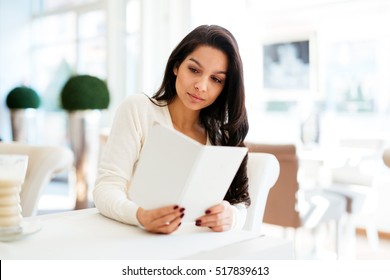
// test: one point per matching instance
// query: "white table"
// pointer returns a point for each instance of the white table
(86, 234)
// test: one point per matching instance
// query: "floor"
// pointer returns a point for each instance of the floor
(58, 198)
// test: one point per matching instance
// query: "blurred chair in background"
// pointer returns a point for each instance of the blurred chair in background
(386, 157)
(288, 206)
(263, 171)
(354, 177)
(44, 162)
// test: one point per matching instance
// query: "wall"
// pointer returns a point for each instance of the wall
(325, 22)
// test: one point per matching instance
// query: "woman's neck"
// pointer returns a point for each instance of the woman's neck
(187, 121)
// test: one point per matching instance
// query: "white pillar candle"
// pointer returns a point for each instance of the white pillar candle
(13, 170)
(10, 209)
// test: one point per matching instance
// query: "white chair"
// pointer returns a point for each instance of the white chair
(263, 171)
(355, 179)
(43, 163)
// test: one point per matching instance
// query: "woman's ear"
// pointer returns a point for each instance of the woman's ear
(176, 68)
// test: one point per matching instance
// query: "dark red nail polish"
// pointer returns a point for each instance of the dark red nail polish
(182, 209)
(175, 207)
(182, 215)
(208, 211)
(198, 222)
(179, 224)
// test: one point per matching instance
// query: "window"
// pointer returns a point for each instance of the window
(66, 40)
(50, 5)
(92, 43)
(133, 21)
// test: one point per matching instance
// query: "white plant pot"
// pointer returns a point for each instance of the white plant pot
(24, 125)
(84, 128)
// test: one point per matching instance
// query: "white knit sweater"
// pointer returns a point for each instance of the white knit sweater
(119, 159)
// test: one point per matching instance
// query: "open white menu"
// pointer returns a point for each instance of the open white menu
(174, 169)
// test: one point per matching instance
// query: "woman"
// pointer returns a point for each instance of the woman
(201, 95)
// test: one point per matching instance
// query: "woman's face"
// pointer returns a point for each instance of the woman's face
(201, 77)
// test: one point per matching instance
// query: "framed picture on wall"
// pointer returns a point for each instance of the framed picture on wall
(289, 69)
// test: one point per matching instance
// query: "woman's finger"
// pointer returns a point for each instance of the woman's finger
(217, 218)
(171, 227)
(221, 207)
(163, 211)
(168, 219)
(162, 220)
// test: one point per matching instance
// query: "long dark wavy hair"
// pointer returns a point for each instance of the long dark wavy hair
(226, 119)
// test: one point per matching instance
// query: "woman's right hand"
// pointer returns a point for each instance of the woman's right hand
(161, 220)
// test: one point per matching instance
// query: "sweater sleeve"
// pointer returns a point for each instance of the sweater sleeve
(117, 164)
(239, 216)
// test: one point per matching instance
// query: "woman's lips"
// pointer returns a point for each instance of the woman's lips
(195, 98)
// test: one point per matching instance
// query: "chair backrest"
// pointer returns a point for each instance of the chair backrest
(360, 160)
(386, 157)
(263, 171)
(281, 204)
(43, 163)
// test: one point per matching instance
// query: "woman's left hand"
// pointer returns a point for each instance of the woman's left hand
(218, 217)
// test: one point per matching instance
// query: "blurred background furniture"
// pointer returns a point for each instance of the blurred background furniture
(353, 174)
(263, 171)
(44, 162)
(386, 157)
(288, 206)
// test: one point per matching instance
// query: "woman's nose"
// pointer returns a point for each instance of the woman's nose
(201, 84)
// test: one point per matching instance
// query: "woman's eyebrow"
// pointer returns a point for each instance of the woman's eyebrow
(200, 65)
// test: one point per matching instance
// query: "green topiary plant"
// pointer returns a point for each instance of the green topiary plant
(22, 98)
(83, 92)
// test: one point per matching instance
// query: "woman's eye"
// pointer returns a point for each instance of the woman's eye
(215, 79)
(193, 70)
